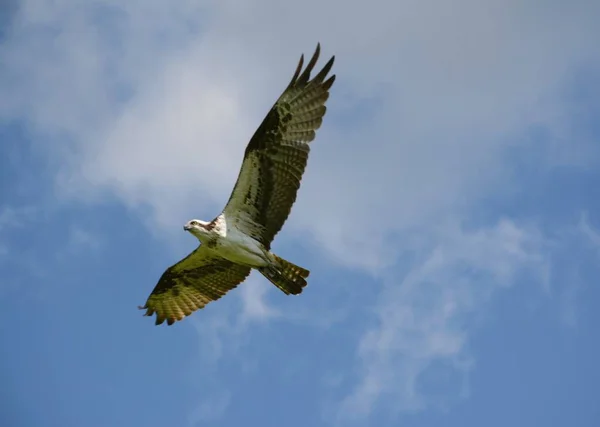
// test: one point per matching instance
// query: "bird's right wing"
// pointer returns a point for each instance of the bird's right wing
(192, 283)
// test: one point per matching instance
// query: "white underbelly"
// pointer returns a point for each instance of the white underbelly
(242, 249)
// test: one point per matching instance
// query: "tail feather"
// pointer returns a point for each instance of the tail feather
(288, 277)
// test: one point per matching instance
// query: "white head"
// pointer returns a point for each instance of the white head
(200, 229)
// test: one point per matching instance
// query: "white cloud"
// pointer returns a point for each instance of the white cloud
(210, 409)
(589, 232)
(79, 241)
(13, 217)
(254, 305)
(157, 103)
(17, 218)
(579, 241)
(426, 316)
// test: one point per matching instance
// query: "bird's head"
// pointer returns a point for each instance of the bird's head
(197, 227)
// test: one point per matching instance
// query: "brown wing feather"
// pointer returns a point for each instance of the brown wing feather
(276, 156)
(192, 283)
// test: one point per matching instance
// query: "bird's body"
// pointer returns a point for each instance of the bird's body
(239, 239)
(229, 242)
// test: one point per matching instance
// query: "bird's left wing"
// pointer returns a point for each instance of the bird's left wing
(277, 154)
(192, 283)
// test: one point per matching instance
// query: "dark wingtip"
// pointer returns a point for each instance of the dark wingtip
(303, 79)
(297, 72)
(324, 71)
(329, 82)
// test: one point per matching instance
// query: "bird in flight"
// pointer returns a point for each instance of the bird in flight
(239, 239)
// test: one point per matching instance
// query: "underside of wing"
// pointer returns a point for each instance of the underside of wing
(192, 283)
(276, 156)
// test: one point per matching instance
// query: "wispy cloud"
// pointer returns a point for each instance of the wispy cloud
(82, 239)
(210, 409)
(16, 218)
(150, 117)
(253, 297)
(589, 232)
(573, 283)
(427, 315)
(13, 218)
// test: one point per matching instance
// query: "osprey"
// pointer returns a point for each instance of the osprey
(239, 239)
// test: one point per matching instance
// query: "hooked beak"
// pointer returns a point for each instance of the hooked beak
(187, 227)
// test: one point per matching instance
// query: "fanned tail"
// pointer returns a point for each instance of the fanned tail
(287, 276)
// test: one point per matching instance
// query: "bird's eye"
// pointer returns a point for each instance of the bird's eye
(194, 222)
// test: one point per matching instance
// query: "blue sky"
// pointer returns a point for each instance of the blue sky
(449, 214)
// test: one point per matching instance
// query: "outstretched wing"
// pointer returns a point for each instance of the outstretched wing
(276, 156)
(192, 283)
